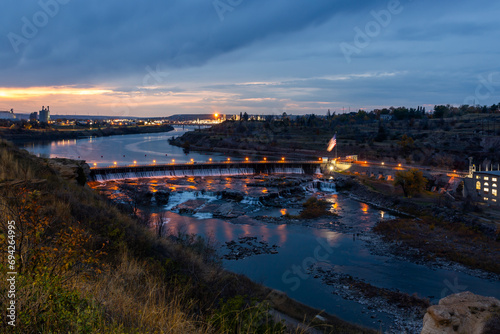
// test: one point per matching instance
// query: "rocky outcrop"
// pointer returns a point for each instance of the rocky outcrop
(76, 170)
(463, 312)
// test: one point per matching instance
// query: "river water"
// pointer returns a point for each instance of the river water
(346, 250)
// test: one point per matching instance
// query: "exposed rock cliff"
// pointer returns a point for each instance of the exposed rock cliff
(463, 312)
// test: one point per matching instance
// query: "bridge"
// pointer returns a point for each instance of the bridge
(225, 168)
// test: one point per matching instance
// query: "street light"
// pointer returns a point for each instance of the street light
(265, 159)
(246, 159)
(135, 162)
(283, 159)
(173, 161)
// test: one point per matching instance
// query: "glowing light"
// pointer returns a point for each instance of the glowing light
(283, 212)
(364, 207)
(283, 159)
(135, 162)
(320, 159)
(154, 161)
(95, 164)
(192, 160)
(22, 93)
(331, 167)
(216, 115)
(265, 159)
(366, 162)
(399, 165)
(246, 159)
(383, 163)
(228, 159)
(210, 159)
(114, 163)
(173, 161)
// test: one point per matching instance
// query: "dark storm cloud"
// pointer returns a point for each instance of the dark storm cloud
(92, 40)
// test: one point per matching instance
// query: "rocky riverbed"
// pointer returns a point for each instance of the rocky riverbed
(247, 246)
(272, 200)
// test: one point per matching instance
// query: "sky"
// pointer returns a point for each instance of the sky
(159, 58)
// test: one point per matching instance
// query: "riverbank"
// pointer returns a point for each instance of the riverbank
(430, 232)
(19, 136)
(89, 267)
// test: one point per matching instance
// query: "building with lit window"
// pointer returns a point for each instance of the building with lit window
(484, 186)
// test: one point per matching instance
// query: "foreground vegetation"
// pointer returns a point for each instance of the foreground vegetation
(86, 267)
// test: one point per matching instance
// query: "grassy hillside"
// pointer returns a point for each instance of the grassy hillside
(444, 142)
(85, 267)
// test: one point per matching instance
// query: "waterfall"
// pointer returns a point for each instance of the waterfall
(254, 201)
(173, 173)
(320, 185)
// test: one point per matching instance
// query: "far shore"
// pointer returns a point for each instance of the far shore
(20, 136)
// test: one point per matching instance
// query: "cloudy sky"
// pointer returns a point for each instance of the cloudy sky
(158, 58)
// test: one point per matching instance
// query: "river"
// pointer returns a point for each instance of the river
(344, 245)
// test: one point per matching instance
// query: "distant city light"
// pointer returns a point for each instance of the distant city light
(154, 161)
(383, 163)
(265, 159)
(283, 159)
(399, 165)
(173, 160)
(95, 164)
(228, 159)
(135, 162)
(216, 115)
(246, 159)
(210, 159)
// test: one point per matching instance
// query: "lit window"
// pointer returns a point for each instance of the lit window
(478, 185)
(494, 192)
(494, 200)
(486, 190)
(486, 184)
(494, 179)
(486, 178)
(494, 185)
(477, 176)
(485, 198)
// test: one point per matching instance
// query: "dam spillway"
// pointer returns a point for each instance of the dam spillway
(203, 169)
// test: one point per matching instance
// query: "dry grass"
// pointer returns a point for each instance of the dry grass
(141, 284)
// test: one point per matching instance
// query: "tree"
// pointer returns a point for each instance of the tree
(407, 144)
(412, 182)
(245, 116)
